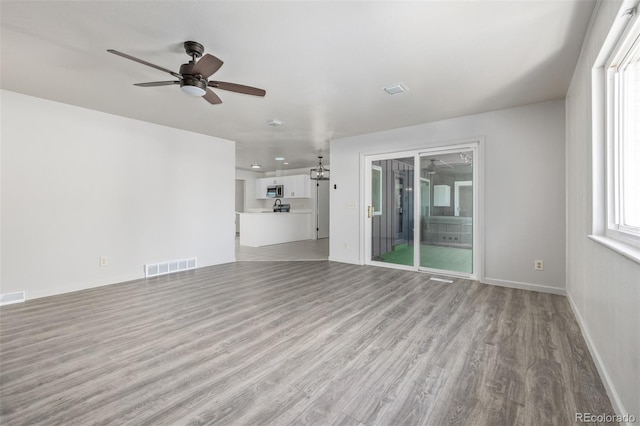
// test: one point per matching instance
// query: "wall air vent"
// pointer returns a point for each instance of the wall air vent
(154, 269)
(9, 298)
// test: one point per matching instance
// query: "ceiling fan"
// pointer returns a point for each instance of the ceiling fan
(193, 77)
(431, 167)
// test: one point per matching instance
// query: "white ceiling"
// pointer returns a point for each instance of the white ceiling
(323, 64)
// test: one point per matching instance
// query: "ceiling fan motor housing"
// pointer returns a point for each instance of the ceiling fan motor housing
(193, 48)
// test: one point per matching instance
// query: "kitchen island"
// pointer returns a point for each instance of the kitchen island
(263, 229)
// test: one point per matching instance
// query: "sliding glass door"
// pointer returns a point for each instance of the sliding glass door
(446, 230)
(392, 212)
(431, 228)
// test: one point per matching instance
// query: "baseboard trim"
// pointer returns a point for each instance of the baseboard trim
(600, 365)
(525, 286)
(350, 262)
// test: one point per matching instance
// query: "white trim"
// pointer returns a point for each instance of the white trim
(540, 288)
(14, 297)
(603, 224)
(630, 252)
(456, 195)
(392, 265)
(339, 260)
(379, 170)
(614, 397)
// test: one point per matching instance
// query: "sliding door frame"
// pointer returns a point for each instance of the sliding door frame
(471, 144)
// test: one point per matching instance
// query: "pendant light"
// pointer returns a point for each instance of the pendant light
(319, 172)
(431, 167)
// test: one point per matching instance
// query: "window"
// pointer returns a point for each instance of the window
(376, 190)
(623, 138)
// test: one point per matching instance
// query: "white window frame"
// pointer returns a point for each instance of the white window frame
(603, 217)
(616, 64)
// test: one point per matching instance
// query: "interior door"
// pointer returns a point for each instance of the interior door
(322, 208)
(239, 202)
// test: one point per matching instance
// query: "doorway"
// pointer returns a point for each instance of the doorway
(434, 228)
(322, 209)
(239, 202)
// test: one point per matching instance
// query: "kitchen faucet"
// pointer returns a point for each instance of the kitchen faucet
(278, 201)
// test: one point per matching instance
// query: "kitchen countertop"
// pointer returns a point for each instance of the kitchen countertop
(263, 211)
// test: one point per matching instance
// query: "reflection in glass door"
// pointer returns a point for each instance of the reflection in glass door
(446, 231)
(392, 212)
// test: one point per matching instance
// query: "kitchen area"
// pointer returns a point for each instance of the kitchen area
(283, 209)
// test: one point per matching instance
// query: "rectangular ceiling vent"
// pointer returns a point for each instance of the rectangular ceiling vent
(395, 89)
(9, 298)
(155, 269)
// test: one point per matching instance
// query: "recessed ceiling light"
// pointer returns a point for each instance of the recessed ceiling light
(256, 166)
(279, 158)
(395, 89)
(285, 163)
(274, 123)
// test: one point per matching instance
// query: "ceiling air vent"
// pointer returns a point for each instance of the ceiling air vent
(395, 89)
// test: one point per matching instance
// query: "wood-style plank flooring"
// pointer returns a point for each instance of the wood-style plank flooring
(279, 343)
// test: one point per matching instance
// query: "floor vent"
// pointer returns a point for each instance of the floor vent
(163, 268)
(441, 280)
(9, 298)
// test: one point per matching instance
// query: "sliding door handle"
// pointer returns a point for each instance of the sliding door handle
(369, 212)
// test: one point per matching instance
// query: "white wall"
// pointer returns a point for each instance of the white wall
(249, 178)
(78, 184)
(602, 285)
(523, 196)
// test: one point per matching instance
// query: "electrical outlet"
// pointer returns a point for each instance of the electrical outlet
(346, 245)
(538, 265)
(104, 261)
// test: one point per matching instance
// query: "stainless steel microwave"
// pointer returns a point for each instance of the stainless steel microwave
(274, 191)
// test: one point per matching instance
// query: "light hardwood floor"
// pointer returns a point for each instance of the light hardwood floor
(297, 250)
(278, 343)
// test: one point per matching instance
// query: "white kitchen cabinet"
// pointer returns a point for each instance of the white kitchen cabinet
(263, 183)
(275, 180)
(261, 189)
(297, 186)
(262, 229)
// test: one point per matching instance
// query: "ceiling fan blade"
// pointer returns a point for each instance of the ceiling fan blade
(212, 98)
(446, 164)
(207, 65)
(233, 87)
(157, 83)
(149, 64)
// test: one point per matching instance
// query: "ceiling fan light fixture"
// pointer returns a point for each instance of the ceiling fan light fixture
(193, 87)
